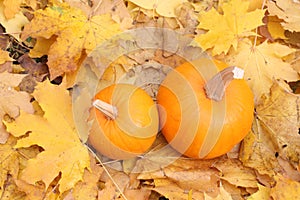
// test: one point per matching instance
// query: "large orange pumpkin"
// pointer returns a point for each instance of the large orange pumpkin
(204, 111)
(126, 121)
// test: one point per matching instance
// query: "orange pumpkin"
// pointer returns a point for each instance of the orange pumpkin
(204, 112)
(126, 121)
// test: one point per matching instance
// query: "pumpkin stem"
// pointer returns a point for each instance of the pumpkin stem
(216, 86)
(108, 110)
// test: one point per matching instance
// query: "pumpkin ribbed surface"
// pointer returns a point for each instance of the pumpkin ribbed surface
(133, 130)
(195, 125)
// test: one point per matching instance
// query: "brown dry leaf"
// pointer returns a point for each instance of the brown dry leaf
(235, 173)
(285, 189)
(262, 64)
(171, 60)
(75, 33)
(287, 10)
(37, 70)
(11, 100)
(9, 164)
(55, 132)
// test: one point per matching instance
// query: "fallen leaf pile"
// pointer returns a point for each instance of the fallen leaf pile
(50, 62)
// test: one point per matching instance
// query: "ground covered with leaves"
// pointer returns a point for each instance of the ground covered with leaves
(44, 45)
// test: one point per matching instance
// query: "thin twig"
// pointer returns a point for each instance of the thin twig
(107, 172)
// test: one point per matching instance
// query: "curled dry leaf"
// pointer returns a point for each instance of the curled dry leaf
(183, 175)
(55, 133)
(235, 173)
(11, 100)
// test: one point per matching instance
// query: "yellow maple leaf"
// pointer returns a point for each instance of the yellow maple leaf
(225, 30)
(262, 64)
(55, 133)
(75, 33)
(287, 10)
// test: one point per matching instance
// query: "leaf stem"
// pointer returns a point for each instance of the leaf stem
(216, 86)
(107, 109)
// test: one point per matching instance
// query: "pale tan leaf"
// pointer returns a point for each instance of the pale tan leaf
(11, 100)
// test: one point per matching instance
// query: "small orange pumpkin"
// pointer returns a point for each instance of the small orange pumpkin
(126, 121)
(204, 110)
